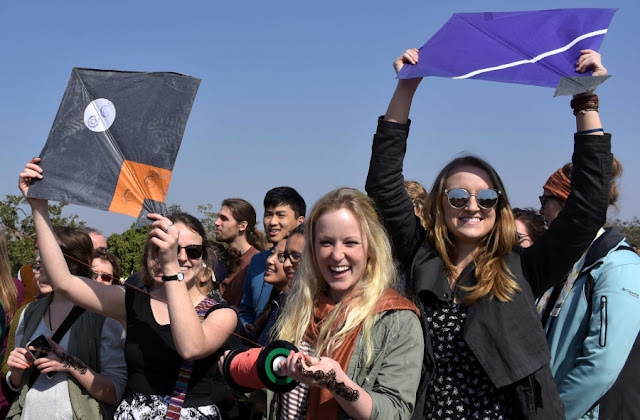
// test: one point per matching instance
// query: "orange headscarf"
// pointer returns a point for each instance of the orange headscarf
(559, 185)
(320, 402)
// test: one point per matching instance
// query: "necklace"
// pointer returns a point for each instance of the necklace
(50, 324)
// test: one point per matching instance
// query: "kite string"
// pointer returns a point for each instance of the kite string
(17, 232)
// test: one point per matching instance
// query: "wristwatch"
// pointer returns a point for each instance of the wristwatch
(178, 277)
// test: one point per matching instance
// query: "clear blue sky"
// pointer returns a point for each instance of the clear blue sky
(291, 91)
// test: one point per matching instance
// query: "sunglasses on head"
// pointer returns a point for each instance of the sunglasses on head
(459, 198)
(193, 251)
(107, 278)
(294, 257)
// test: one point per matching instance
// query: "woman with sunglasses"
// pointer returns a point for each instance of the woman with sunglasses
(106, 267)
(163, 327)
(78, 370)
(486, 354)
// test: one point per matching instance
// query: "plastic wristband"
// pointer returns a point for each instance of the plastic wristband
(593, 130)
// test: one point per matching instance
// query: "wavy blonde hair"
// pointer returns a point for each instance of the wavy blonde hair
(359, 307)
(8, 290)
(493, 278)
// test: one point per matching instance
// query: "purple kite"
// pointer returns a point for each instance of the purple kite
(533, 48)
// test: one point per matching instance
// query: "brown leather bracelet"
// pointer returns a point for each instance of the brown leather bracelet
(586, 103)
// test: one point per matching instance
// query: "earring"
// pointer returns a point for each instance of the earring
(204, 265)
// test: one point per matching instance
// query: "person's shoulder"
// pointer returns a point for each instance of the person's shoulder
(260, 258)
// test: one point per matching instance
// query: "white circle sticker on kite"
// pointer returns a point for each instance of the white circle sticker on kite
(99, 115)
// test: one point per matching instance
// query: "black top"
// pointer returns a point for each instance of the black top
(153, 363)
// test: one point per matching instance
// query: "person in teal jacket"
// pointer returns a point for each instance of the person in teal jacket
(592, 319)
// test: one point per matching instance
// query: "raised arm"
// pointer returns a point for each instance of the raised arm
(549, 260)
(588, 119)
(193, 339)
(96, 297)
(385, 182)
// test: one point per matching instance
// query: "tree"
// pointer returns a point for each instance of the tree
(630, 229)
(20, 231)
(209, 219)
(128, 247)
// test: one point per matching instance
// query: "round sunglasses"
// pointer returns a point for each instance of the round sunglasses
(459, 198)
(193, 251)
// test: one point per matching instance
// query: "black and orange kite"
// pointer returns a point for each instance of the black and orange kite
(115, 140)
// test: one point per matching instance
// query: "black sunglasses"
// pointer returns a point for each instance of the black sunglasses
(544, 199)
(107, 278)
(193, 251)
(459, 198)
(35, 267)
(294, 257)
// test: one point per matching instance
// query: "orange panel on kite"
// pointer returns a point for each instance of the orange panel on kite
(136, 182)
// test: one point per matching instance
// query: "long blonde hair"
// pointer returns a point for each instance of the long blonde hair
(8, 290)
(359, 307)
(493, 278)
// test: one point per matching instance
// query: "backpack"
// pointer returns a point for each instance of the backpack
(621, 400)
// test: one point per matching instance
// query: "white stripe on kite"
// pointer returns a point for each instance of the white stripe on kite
(534, 59)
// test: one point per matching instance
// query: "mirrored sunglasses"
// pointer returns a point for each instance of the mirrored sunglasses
(459, 198)
(193, 251)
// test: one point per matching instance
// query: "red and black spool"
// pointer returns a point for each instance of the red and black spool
(248, 369)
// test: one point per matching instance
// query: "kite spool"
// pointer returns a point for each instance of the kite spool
(248, 370)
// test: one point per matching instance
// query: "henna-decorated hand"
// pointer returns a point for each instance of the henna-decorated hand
(322, 372)
(58, 360)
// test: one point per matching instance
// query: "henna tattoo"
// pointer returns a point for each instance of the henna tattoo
(328, 380)
(69, 361)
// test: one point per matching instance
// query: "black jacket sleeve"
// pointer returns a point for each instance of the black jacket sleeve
(549, 260)
(385, 185)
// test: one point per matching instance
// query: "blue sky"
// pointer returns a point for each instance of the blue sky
(291, 91)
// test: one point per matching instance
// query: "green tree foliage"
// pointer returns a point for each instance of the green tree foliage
(19, 229)
(630, 229)
(208, 219)
(128, 247)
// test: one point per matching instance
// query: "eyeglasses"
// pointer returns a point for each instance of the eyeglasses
(193, 251)
(36, 267)
(544, 199)
(523, 237)
(294, 257)
(459, 198)
(106, 278)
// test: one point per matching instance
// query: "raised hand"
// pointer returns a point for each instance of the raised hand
(409, 56)
(591, 60)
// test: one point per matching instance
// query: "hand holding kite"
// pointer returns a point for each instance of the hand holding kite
(31, 172)
(591, 60)
(165, 236)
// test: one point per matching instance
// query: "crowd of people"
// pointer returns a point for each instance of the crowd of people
(402, 303)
